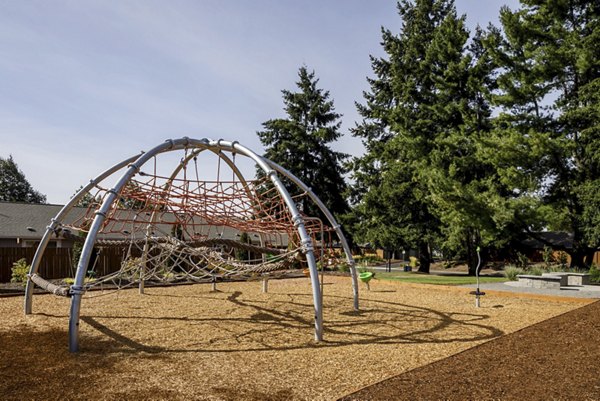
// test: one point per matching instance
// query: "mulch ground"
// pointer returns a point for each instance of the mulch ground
(557, 359)
(187, 342)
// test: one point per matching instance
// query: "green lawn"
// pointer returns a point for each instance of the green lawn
(439, 280)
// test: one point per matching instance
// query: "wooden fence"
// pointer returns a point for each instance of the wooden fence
(56, 262)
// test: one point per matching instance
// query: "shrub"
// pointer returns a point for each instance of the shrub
(343, 267)
(536, 270)
(512, 272)
(365, 259)
(548, 257)
(522, 260)
(19, 271)
(562, 259)
(414, 262)
(594, 274)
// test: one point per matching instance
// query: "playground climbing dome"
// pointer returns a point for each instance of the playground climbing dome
(170, 225)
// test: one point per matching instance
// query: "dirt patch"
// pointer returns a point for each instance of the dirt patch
(189, 343)
(553, 360)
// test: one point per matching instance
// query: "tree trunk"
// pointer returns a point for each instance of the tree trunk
(589, 257)
(424, 258)
(473, 238)
(471, 259)
(581, 257)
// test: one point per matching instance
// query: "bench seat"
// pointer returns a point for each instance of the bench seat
(572, 278)
(549, 282)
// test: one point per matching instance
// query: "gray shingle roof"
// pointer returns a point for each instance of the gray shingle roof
(27, 220)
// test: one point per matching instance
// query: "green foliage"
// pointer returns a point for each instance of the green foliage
(522, 260)
(536, 270)
(436, 280)
(343, 267)
(547, 131)
(301, 144)
(71, 281)
(594, 274)
(548, 256)
(14, 187)
(414, 262)
(19, 271)
(414, 99)
(367, 259)
(562, 259)
(511, 272)
(243, 254)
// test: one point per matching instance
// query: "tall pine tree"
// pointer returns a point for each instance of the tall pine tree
(399, 129)
(549, 76)
(301, 143)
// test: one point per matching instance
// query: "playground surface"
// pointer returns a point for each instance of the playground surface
(187, 342)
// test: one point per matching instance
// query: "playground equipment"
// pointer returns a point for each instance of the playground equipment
(478, 294)
(365, 277)
(170, 225)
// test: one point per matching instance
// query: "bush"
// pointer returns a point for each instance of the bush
(512, 272)
(562, 259)
(548, 256)
(19, 271)
(414, 262)
(536, 270)
(594, 274)
(522, 260)
(343, 267)
(365, 259)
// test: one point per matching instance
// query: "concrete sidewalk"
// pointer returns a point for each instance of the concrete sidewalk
(581, 291)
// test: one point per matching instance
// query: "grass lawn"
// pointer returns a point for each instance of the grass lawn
(435, 279)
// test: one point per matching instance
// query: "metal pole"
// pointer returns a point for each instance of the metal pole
(331, 220)
(77, 289)
(305, 240)
(56, 222)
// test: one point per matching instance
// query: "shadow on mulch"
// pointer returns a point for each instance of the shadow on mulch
(554, 359)
(347, 331)
(38, 362)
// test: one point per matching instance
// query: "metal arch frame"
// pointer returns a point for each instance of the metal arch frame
(182, 164)
(57, 221)
(134, 165)
(332, 221)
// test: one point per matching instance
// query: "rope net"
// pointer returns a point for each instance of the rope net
(177, 228)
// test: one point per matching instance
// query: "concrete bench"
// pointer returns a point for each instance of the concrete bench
(572, 278)
(549, 282)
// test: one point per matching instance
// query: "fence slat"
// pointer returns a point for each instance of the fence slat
(56, 262)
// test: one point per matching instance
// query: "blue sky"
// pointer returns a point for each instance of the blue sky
(85, 84)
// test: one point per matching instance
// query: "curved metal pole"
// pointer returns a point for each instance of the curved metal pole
(78, 289)
(198, 149)
(305, 239)
(57, 220)
(332, 221)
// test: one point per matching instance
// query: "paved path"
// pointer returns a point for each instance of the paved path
(584, 291)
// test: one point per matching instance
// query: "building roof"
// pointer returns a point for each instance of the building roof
(555, 238)
(27, 220)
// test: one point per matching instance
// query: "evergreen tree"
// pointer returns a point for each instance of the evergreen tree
(14, 187)
(301, 143)
(549, 76)
(412, 106)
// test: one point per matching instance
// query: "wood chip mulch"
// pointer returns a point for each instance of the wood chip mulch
(188, 343)
(557, 359)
